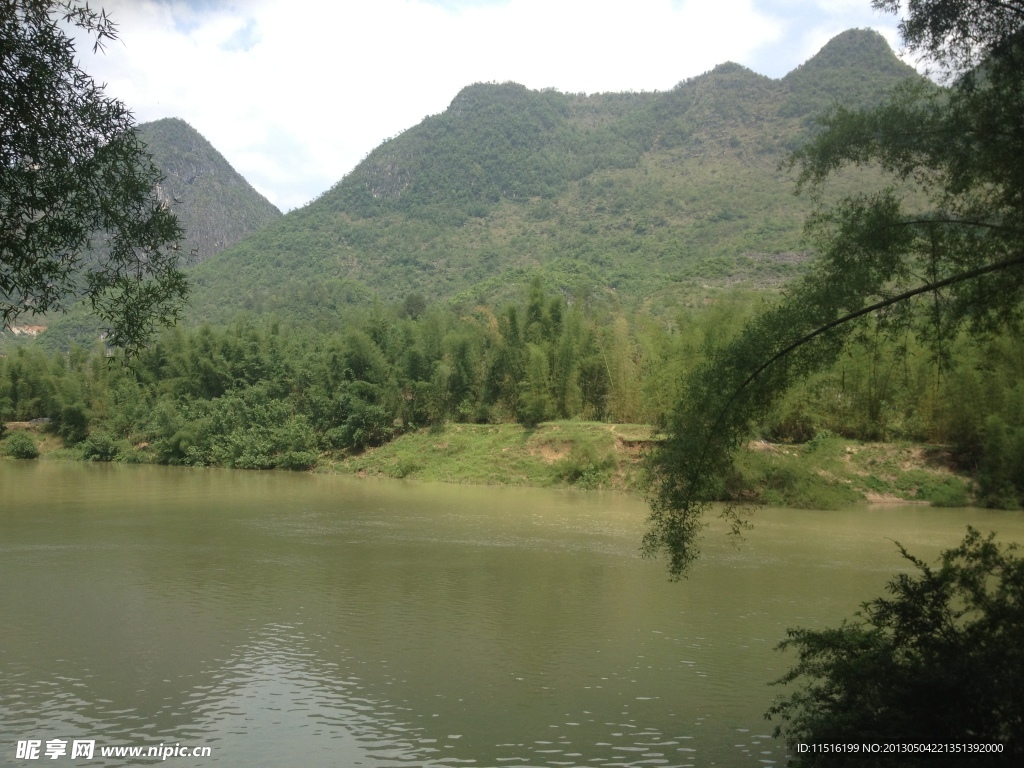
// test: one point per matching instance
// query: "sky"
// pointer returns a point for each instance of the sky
(294, 93)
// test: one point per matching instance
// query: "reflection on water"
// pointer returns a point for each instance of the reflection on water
(301, 619)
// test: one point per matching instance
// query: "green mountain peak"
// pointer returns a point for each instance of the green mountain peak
(854, 68)
(853, 49)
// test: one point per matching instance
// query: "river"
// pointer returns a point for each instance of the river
(298, 619)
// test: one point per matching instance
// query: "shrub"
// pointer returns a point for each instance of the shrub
(585, 467)
(534, 407)
(939, 661)
(795, 427)
(100, 446)
(405, 467)
(297, 460)
(73, 424)
(367, 426)
(947, 492)
(21, 445)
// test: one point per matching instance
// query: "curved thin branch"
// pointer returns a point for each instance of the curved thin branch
(969, 275)
(960, 222)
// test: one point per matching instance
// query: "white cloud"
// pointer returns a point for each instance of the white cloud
(294, 94)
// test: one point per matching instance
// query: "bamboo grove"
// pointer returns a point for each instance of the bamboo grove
(261, 393)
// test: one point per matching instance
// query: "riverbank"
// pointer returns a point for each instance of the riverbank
(588, 455)
(825, 473)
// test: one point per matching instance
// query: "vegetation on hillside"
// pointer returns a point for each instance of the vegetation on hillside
(628, 198)
(581, 249)
(213, 204)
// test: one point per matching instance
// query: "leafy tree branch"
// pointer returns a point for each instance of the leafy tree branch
(79, 216)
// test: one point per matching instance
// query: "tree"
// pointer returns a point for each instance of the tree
(939, 662)
(79, 216)
(954, 263)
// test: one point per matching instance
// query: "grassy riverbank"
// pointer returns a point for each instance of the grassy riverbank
(825, 473)
(586, 455)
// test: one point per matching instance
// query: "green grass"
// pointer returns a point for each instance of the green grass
(829, 472)
(808, 476)
(562, 453)
(825, 473)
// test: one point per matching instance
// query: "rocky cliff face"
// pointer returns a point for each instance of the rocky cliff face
(213, 203)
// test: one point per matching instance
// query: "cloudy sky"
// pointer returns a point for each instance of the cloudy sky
(294, 93)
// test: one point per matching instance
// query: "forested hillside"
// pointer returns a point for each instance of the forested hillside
(634, 197)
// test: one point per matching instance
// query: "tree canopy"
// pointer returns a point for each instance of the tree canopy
(79, 216)
(950, 264)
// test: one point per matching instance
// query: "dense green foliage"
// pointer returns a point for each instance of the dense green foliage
(948, 259)
(254, 396)
(938, 662)
(79, 216)
(260, 393)
(634, 198)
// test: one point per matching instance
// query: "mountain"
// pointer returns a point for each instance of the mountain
(853, 68)
(638, 197)
(214, 204)
(648, 200)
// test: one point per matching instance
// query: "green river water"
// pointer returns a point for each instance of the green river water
(312, 620)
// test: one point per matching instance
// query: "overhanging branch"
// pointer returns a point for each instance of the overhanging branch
(954, 279)
(969, 275)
